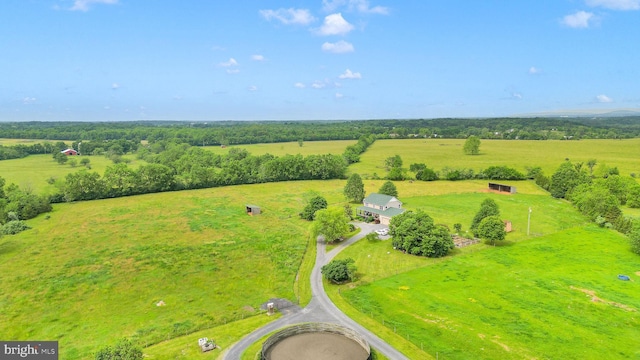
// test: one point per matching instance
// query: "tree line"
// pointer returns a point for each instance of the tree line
(248, 132)
(178, 166)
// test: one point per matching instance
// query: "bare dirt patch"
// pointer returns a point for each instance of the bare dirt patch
(595, 298)
(638, 273)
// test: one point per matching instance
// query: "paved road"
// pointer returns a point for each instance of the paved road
(320, 308)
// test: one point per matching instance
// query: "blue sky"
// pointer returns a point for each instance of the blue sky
(113, 60)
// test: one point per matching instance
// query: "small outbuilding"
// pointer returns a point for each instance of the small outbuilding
(69, 152)
(502, 188)
(253, 210)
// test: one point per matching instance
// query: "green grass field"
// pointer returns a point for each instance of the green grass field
(278, 149)
(12, 142)
(91, 272)
(33, 171)
(440, 153)
(552, 297)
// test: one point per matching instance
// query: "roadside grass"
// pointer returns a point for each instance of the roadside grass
(529, 300)
(278, 149)
(89, 273)
(518, 154)
(33, 171)
(186, 347)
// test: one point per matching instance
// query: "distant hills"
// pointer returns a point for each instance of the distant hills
(600, 113)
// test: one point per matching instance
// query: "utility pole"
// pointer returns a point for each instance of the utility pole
(529, 221)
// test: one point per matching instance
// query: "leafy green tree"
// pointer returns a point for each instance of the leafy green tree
(388, 188)
(595, 200)
(331, 223)
(491, 229)
(397, 173)
(415, 233)
(393, 162)
(591, 163)
(83, 185)
(300, 142)
(354, 189)
(60, 158)
(85, 162)
(417, 167)
(119, 180)
(24, 204)
(633, 198)
(565, 179)
(124, 350)
(634, 238)
(427, 174)
(339, 271)
(488, 207)
(471, 145)
(457, 227)
(315, 203)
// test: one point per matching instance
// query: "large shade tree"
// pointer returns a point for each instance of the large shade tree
(416, 234)
(330, 223)
(471, 145)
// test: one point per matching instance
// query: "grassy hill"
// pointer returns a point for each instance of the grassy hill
(91, 272)
(552, 297)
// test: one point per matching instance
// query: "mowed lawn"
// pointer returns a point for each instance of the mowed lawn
(92, 272)
(518, 154)
(551, 297)
(335, 147)
(33, 171)
(12, 142)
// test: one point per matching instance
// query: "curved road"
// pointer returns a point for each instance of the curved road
(320, 309)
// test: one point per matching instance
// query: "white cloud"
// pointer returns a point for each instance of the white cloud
(28, 100)
(289, 16)
(580, 19)
(603, 99)
(615, 4)
(252, 88)
(230, 63)
(115, 86)
(232, 71)
(83, 5)
(300, 85)
(257, 57)
(318, 85)
(335, 24)
(350, 75)
(516, 95)
(339, 95)
(339, 47)
(534, 70)
(354, 5)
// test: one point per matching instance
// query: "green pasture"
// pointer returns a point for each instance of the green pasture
(518, 154)
(292, 148)
(92, 272)
(33, 171)
(551, 297)
(12, 142)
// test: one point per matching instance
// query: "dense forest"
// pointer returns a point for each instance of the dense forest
(247, 132)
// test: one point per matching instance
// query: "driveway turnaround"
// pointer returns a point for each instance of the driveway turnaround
(320, 308)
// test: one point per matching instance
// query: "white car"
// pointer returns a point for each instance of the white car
(382, 232)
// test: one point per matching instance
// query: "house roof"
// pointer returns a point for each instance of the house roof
(379, 199)
(390, 212)
(68, 150)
